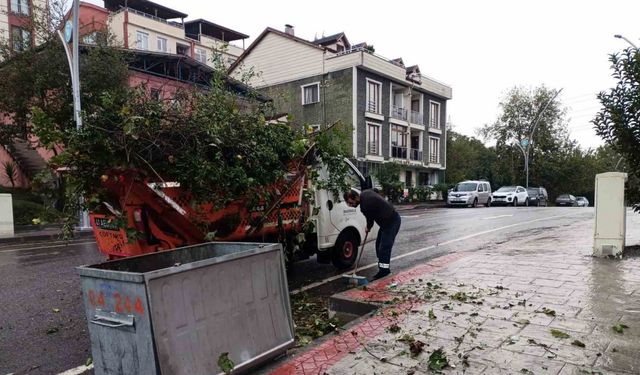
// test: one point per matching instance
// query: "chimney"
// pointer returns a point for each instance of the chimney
(288, 29)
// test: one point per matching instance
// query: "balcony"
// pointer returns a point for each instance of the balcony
(399, 152)
(415, 154)
(416, 118)
(398, 113)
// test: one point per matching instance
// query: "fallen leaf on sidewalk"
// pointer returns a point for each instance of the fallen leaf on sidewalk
(432, 316)
(438, 360)
(619, 328)
(394, 328)
(416, 348)
(56, 310)
(52, 330)
(578, 343)
(559, 334)
(547, 311)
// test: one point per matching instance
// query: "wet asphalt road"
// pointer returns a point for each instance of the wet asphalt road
(42, 325)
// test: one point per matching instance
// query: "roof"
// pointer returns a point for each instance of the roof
(145, 6)
(213, 30)
(263, 35)
(184, 68)
(328, 39)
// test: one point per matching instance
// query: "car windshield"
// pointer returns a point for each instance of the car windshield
(466, 186)
(581, 199)
(506, 189)
(532, 191)
(564, 196)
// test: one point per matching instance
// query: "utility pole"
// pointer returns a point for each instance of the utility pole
(526, 144)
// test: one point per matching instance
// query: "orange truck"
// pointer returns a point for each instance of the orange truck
(143, 216)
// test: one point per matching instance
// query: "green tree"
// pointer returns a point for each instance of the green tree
(550, 144)
(388, 174)
(618, 122)
(468, 158)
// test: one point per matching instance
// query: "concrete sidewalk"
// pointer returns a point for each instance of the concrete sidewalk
(538, 305)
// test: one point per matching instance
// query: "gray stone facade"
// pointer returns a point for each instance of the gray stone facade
(336, 104)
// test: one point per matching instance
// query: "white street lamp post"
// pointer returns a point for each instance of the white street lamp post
(71, 33)
(527, 143)
(626, 40)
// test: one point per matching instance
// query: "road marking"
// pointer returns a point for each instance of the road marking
(78, 370)
(336, 277)
(495, 217)
(48, 247)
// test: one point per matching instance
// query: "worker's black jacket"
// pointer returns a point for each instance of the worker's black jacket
(375, 208)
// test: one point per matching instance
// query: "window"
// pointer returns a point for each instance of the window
(201, 55)
(398, 141)
(90, 38)
(434, 150)
(20, 7)
(373, 139)
(142, 40)
(155, 94)
(311, 93)
(434, 115)
(162, 44)
(21, 39)
(373, 96)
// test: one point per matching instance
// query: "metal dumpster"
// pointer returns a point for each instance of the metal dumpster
(176, 312)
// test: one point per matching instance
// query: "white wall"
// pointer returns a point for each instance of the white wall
(278, 59)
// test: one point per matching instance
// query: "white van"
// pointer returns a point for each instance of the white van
(339, 228)
(470, 194)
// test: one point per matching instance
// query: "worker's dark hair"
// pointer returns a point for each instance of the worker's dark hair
(351, 195)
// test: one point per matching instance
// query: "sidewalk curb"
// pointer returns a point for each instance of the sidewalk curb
(36, 237)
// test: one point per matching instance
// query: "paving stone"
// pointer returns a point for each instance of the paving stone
(548, 282)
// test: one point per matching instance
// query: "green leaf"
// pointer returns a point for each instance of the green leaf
(438, 360)
(578, 343)
(559, 334)
(394, 328)
(432, 316)
(619, 328)
(225, 363)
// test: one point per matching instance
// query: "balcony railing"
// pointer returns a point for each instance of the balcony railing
(147, 15)
(415, 154)
(399, 152)
(372, 148)
(373, 107)
(416, 118)
(398, 112)
(434, 124)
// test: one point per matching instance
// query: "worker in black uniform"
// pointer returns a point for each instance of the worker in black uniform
(376, 209)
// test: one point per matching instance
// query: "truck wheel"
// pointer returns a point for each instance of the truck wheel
(345, 250)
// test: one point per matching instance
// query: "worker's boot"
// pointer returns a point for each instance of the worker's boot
(383, 270)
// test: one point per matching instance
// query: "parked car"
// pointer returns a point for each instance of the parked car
(566, 200)
(582, 202)
(538, 196)
(470, 193)
(511, 195)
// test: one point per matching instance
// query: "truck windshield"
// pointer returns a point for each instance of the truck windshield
(466, 186)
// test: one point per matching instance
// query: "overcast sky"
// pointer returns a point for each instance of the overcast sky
(480, 48)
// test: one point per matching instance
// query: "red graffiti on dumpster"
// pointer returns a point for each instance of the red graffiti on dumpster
(121, 303)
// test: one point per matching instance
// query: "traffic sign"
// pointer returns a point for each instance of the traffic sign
(68, 31)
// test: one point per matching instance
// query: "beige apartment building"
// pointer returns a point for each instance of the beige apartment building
(148, 26)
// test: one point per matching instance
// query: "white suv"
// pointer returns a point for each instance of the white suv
(470, 193)
(511, 195)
